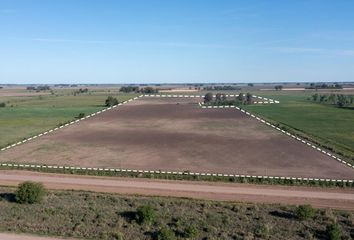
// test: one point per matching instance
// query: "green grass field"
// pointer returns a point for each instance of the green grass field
(26, 116)
(90, 215)
(325, 124)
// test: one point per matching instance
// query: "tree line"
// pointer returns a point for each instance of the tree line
(221, 99)
(136, 89)
(325, 86)
(340, 100)
(221, 88)
(39, 88)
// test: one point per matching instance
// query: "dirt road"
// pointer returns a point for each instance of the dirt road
(319, 197)
(13, 236)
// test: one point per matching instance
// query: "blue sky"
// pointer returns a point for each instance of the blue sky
(176, 41)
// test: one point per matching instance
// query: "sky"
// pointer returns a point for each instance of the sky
(176, 41)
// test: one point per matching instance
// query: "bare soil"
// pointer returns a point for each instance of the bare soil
(175, 134)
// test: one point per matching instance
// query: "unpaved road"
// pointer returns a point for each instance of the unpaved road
(318, 197)
(13, 236)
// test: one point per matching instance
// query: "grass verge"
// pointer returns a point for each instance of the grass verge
(187, 176)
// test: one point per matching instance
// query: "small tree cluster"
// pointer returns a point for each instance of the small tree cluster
(30, 192)
(325, 86)
(81, 90)
(221, 99)
(222, 88)
(129, 89)
(278, 87)
(111, 101)
(339, 100)
(39, 88)
(149, 90)
(208, 98)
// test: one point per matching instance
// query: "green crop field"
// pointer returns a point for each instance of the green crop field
(325, 124)
(25, 116)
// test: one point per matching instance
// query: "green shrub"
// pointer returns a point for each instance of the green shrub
(333, 232)
(29, 192)
(166, 234)
(304, 212)
(111, 101)
(2, 104)
(191, 232)
(145, 214)
(81, 115)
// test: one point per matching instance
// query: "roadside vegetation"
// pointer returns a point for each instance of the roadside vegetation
(29, 192)
(113, 216)
(186, 176)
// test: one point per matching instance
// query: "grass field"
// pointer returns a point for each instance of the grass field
(325, 124)
(25, 116)
(107, 216)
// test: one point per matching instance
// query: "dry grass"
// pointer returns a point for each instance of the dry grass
(104, 216)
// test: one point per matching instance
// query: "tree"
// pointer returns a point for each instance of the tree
(223, 97)
(249, 98)
(278, 87)
(240, 98)
(111, 101)
(218, 97)
(333, 232)
(149, 90)
(250, 85)
(342, 100)
(30, 192)
(208, 97)
(304, 212)
(332, 98)
(2, 104)
(323, 98)
(315, 97)
(145, 214)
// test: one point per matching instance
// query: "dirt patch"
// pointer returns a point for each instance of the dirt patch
(175, 134)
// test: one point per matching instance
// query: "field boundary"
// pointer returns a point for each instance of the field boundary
(185, 173)
(264, 100)
(66, 124)
(281, 130)
(166, 172)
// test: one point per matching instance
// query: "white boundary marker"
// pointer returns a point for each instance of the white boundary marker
(66, 124)
(265, 100)
(284, 132)
(40, 166)
(36, 166)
